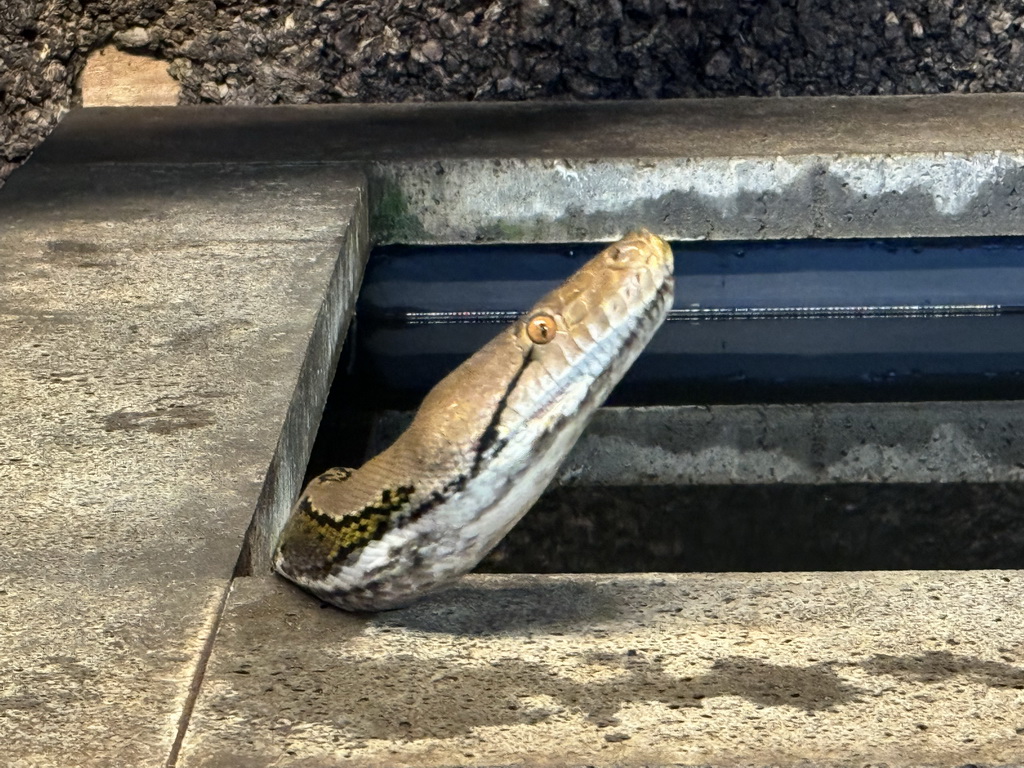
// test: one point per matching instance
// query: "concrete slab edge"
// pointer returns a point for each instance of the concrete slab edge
(824, 167)
(286, 472)
(941, 194)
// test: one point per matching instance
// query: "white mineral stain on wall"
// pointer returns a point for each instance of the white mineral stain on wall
(952, 181)
(719, 181)
(457, 198)
(469, 192)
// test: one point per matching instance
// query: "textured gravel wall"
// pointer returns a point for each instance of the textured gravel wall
(245, 52)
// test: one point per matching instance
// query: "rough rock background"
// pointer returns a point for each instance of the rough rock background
(297, 51)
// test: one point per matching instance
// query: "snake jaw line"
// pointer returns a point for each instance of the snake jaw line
(484, 444)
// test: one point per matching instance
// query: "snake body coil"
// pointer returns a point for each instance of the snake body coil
(484, 444)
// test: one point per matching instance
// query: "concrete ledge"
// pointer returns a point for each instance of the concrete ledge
(738, 197)
(924, 166)
(168, 339)
(831, 486)
(851, 669)
(819, 443)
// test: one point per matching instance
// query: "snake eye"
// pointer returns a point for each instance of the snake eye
(541, 328)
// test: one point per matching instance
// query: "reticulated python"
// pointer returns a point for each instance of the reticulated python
(484, 444)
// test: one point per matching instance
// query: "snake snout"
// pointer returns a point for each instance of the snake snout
(641, 249)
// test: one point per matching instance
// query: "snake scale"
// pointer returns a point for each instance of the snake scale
(483, 445)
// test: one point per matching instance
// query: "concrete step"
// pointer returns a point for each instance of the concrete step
(167, 338)
(781, 669)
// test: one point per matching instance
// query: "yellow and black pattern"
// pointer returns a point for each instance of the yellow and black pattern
(340, 536)
(334, 475)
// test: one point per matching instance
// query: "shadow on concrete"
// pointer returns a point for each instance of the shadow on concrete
(935, 666)
(478, 610)
(432, 699)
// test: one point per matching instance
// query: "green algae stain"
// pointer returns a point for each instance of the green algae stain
(390, 218)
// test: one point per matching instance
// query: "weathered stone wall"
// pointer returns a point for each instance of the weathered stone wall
(244, 52)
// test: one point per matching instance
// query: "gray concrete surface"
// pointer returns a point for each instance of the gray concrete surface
(825, 486)
(167, 336)
(719, 168)
(797, 669)
(818, 443)
(173, 286)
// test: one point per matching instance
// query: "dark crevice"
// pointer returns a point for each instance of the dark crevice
(198, 674)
